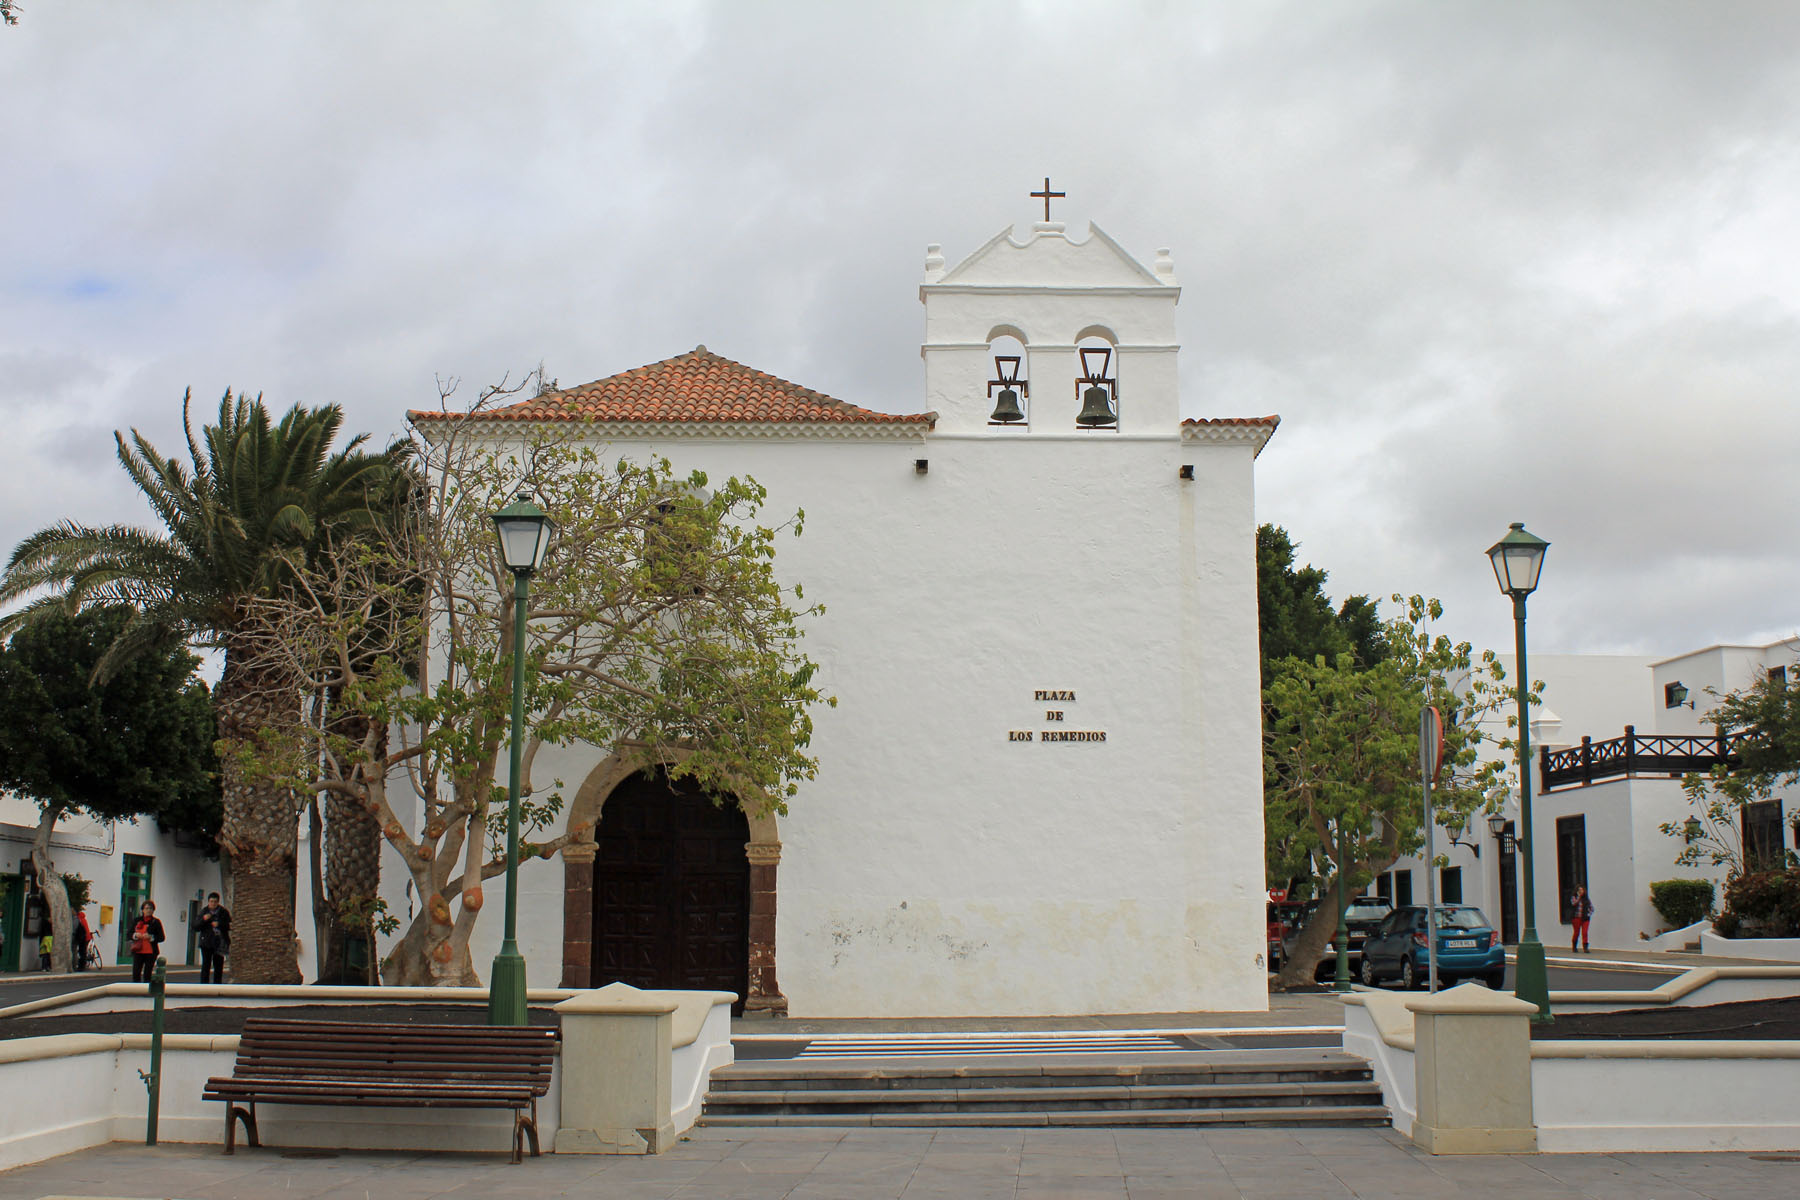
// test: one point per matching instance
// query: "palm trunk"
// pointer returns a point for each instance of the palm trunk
(260, 830)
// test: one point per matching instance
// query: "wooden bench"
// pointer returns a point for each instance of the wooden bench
(387, 1066)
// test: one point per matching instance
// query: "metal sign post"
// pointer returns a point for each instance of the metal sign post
(1431, 760)
(153, 1078)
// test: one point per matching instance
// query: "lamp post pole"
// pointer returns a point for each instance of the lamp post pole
(1517, 559)
(1531, 980)
(524, 534)
(506, 982)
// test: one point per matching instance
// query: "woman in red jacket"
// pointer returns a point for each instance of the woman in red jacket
(146, 940)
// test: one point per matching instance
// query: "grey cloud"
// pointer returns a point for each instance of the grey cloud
(1489, 262)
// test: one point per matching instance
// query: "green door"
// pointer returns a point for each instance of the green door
(12, 920)
(134, 889)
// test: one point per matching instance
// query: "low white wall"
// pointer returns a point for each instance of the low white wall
(1701, 986)
(71, 1091)
(694, 1061)
(132, 997)
(1687, 1096)
(1372, 1031)
(59, 1095)
(79, 1090)
(1773, 949)
(1676, 939)
(1590, 1096)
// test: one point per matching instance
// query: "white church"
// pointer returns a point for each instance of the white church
(1041, 789)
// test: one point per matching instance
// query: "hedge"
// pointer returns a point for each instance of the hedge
(1767, 900)
(1681, 902)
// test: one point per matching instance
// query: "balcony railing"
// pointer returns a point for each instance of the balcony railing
(1635, 754)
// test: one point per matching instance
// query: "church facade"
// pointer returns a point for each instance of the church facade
(1040, 790)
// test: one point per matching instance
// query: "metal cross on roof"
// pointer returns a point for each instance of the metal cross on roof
(1047, 195)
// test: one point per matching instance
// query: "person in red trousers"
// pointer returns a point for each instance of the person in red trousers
(1581, 911)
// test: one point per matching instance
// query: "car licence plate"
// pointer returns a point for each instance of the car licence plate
(1461, 943)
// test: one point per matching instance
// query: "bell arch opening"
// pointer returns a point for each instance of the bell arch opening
(1009, 391)
(1097, 388)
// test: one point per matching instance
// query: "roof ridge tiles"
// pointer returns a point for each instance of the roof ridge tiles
(697, 386)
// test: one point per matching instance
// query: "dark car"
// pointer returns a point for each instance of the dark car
(1362, 915)
(1468, 947)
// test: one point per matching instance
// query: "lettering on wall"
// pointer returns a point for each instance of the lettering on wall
(1055, 716)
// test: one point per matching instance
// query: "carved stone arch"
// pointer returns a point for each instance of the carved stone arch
(1098, 331)
(763, 852)
(1011, 331)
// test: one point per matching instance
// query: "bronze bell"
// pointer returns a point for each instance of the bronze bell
(1006, 408)
(1096, 409)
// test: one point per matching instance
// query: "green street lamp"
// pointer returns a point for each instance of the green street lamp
(524, 533)
(1518, 558)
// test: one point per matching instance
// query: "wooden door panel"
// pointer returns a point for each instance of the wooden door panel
(671, 889)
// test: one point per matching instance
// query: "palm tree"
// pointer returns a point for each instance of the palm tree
(255, 495)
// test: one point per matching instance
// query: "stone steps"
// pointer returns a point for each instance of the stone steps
(1326, 1089)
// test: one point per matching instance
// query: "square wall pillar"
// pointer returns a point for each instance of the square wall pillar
(1472, 1059)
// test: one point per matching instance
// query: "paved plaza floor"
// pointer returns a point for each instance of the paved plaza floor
(953, 1165)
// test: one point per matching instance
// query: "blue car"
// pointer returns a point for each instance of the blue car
(1468, 948)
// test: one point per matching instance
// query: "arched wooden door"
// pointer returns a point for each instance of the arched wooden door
(671, 889)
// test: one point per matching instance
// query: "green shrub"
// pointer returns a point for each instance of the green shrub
(78, 889)
(1767, 901)
(1726, 925)
(1681, 902)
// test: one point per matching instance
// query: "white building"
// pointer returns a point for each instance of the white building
(123, 861)
(1611, 741)
(1040, 791)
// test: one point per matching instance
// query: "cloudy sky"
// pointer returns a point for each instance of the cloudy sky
(1490, 262)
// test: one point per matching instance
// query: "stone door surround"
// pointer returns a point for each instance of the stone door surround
(763, 850)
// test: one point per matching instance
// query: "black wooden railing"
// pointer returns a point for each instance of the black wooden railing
(1635, 754)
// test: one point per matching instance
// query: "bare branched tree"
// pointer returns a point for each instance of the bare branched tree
(657, 632)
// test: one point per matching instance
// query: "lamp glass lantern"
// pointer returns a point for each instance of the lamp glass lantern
(1518, 558)
(524, 532)
(1496, 823)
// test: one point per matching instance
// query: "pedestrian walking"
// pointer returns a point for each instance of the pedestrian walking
(45, 945)
(82, 936)
(147, 938)
(1581, 911)
(215, 939)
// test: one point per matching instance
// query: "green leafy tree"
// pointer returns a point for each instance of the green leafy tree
(254, 499)
(1761, 724)
(657, 630)
(1342, 757)
(1296, 620)
(139, 744)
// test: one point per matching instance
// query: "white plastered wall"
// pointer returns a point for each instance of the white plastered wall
(935, 867)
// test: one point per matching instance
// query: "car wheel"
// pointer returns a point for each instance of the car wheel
(1409, 975)
(1496, 980)
(1367, 974)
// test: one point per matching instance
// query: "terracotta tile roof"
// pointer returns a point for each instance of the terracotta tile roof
(1270, 421)
(695, 387)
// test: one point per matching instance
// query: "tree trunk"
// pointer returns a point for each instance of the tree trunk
(1297, 968)
(261, 826)
(352, 870)
(429, 956)
(55, 895)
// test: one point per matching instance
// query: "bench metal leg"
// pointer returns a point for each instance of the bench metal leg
(525, 1127)
(234, 1114)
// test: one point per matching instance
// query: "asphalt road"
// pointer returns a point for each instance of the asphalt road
(26, 987)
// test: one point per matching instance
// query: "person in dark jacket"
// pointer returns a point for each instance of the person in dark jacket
(214, 938)
(1581, 911)
(147, 938)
